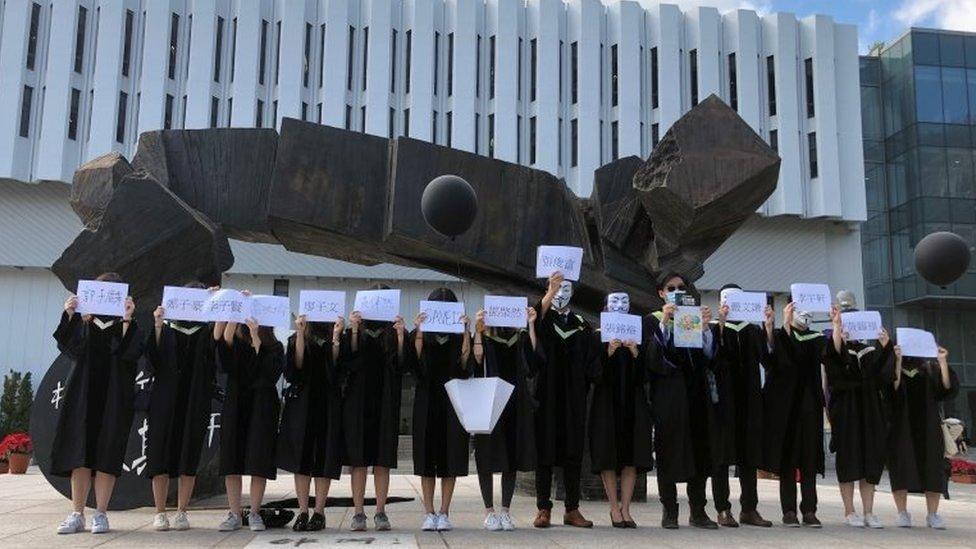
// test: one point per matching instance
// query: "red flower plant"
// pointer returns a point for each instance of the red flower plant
(16, 443)
(963, 467)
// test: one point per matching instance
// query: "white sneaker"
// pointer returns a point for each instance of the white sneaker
(99, 523)
(506, 519)
(872, 521)
(430, 522)
(256, 522)
(935, 521)
(443, 524)
(855, 520)
(73, 524)
(492, 524)
(181, 522)
(904, 520)
(231, 523)
(161, 522)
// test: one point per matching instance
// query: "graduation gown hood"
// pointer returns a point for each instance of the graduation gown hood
(183, 365)
(96, 414)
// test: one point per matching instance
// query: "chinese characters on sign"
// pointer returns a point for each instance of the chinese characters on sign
(321, 305)
(746, 306)
(811, 298)
(443, 316)
(189, 304)
(271, 310)
(861, 325)
(506, 311)
(102, 298)
(620, 326)
(378, 304)
(566, 259)
(228, 306)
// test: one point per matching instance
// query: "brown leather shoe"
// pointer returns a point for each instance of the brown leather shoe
(575, 518)
(725, 519)
(543, 519)
(753, 518)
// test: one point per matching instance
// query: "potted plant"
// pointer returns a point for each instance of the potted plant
(963, 471)
(17, 447)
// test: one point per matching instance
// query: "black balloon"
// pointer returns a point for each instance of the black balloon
(449, 205)
(942, 257)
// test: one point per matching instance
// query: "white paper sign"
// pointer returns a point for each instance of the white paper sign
(688, 327)
(620, 326)
(917, 343)
(565, 259)
(188, 304)
(228, 306)
(321, 305)
(746, 306)
(861, 325)
(271, 310)
(443, 316)
(812, 298)
(378, 304)
(101, 298)
(506, 311)
(479, 402)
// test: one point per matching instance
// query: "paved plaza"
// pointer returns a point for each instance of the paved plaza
(30, 511)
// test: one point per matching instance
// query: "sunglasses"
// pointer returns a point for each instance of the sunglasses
(675, 288)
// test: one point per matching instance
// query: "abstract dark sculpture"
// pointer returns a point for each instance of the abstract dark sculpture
(356, 197)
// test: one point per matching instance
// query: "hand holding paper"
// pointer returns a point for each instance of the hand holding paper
(102, 298)
(917, 343)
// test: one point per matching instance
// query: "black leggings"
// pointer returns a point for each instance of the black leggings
(487, 482)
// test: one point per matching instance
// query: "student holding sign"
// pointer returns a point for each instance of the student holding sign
(309, 438)
(561, 388)
(916, 445)
(743, 347)
(440, 443)
(682, 392)
(253, 360)
(184, 364)
(514, 355)
(373, 359)
(857, 373)
(96, 414)
(620, 418)
(794, 414)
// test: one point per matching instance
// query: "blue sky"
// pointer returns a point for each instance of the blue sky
(877, 20)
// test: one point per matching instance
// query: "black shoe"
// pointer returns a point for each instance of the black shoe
(316, 523)
(615, 524)
(669, 520)
(753, 518)
(699, 519)
(630, 524)
(810, 520)
(301, 522)
(790, 520)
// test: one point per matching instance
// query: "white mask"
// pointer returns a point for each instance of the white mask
(618, 302)
(565, 292)
(724, 294)
(801, 319)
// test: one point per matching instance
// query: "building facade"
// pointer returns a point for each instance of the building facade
(561, 85)
(918, 100)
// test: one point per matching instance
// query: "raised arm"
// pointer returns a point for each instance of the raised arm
(301, 329)
(337, 328)
(837, 331)
(479, 330)
(555, 279)
(418, 334)
(158, 315)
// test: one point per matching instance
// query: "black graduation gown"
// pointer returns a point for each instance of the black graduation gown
(681, 402)
(620, 413)
(742, 351)
(310, 435)
(511, 445)
(916, 449)
(440, 443)
(562, 386)
(184, 368)
(856, 378)
(96, 414)
(371, 397)
(249, 421)
(794, 401)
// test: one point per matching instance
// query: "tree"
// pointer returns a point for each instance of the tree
(15, 404)
(25, 397)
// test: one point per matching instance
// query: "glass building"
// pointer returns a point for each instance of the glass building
(918, 103)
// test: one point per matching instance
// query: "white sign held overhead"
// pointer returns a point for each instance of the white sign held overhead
(620, 326)
(443, 317)
(746, 306)
(506, 311)
(566, 259)
(321, 305)
(861, 325)
(811, 298)
(271, 310)
(378, 304)
(188, 304)
(917, 343)
(102, 298)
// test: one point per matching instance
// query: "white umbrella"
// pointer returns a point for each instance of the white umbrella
(479, 401)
